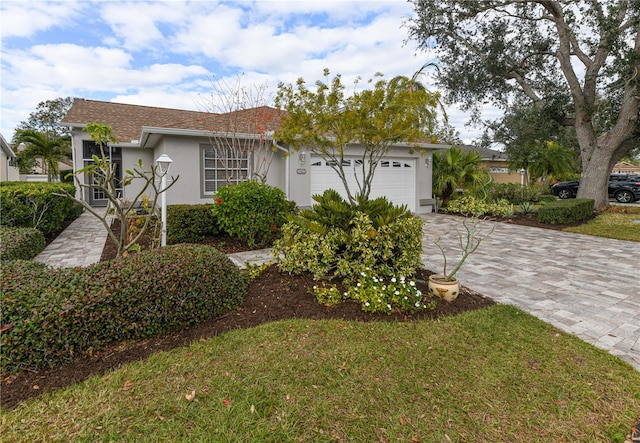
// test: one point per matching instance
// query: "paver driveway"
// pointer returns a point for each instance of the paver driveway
(588, 286)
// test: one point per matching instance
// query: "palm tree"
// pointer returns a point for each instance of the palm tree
(552, 159)
(50, 149)
(455, 169)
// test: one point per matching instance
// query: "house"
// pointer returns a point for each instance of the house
(496, 163)
(626, 168)
(195, 141)
(8, 169)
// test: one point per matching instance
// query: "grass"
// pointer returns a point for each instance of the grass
(496, 374)
(613, 224)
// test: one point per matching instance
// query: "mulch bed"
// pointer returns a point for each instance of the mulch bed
(272, 296)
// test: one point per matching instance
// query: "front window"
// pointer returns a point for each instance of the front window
(221, 167)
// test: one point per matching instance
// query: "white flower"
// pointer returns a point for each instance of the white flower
(358, 285)
(417, 305)
(366, 304)
(393, 279)
(412, 283)
(418, 293)
(388, 306)
(406, 298)
(315, 287)
(397, 292)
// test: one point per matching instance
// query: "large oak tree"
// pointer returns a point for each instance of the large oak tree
(578, 61)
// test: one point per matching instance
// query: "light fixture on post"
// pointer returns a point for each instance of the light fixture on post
(427, 160)
(522, 171)
(302, 157)
(164, 163)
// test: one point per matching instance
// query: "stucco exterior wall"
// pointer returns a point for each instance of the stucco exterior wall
(500, 172)
(7, 172)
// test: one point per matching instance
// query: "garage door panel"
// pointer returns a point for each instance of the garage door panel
(394, 178)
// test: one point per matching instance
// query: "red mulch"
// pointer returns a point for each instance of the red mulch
(272, 296)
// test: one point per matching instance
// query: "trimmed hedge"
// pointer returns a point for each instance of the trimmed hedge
(36, 205)
(20, 243)
(51, 316)
(190, 223)
(566, 211)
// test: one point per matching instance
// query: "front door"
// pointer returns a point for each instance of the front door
(96, 197)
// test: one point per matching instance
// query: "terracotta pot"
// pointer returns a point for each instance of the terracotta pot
(448, 290)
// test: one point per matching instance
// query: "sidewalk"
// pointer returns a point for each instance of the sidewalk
(80, 244)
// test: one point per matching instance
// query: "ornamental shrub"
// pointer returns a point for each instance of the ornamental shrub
(37, 205)
(190, 223)
(377, 295)
(566, 211)
(20, 243)
(470, 205)
(51, 316)
(513, 193)
(251, 211)
(336, 240)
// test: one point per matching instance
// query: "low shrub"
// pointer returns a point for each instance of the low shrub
(20, 243)
(190, 223)
(513, 193)
(566, 211)
(251, 211)
(470, 205)
(38, 205)
(336, 240)
(51, 316)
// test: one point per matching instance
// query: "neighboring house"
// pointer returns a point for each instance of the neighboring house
(145, 133)
(496, 163)
(8, 169)
(626, 168)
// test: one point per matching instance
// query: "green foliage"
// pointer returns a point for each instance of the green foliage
(37, 205)
(516, 55)
(325, 121)
(566, 211)
(470, 205)
(51, 316)
(380, 295)
(251, 211)
(20, 243)
(526, 208)
(190, 223)
(333, 239)
(47, 146)
(455, 169)
(513, 192)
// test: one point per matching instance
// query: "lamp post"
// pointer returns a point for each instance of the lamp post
(164, 162)
(522, 172)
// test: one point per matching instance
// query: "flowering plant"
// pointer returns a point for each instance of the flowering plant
(377, 295)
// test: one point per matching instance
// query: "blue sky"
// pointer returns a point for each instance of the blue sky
(168, 53)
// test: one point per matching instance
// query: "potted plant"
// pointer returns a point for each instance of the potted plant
(446, 284)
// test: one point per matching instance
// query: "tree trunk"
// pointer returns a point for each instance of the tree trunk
(595, 177)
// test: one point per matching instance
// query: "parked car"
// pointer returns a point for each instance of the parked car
(625, 188)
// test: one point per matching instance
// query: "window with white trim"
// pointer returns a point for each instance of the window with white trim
(221, 166)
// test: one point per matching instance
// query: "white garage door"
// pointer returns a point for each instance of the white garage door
(394, 178)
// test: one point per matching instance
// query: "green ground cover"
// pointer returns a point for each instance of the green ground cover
(496, 374)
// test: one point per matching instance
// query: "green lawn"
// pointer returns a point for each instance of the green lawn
(493, 375)
(620, 226)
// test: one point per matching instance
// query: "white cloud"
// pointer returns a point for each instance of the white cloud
(165, 53)
(24, 19)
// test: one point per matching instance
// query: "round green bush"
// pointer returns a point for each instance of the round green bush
(251, 211)
(51, 316)
(20, 243)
